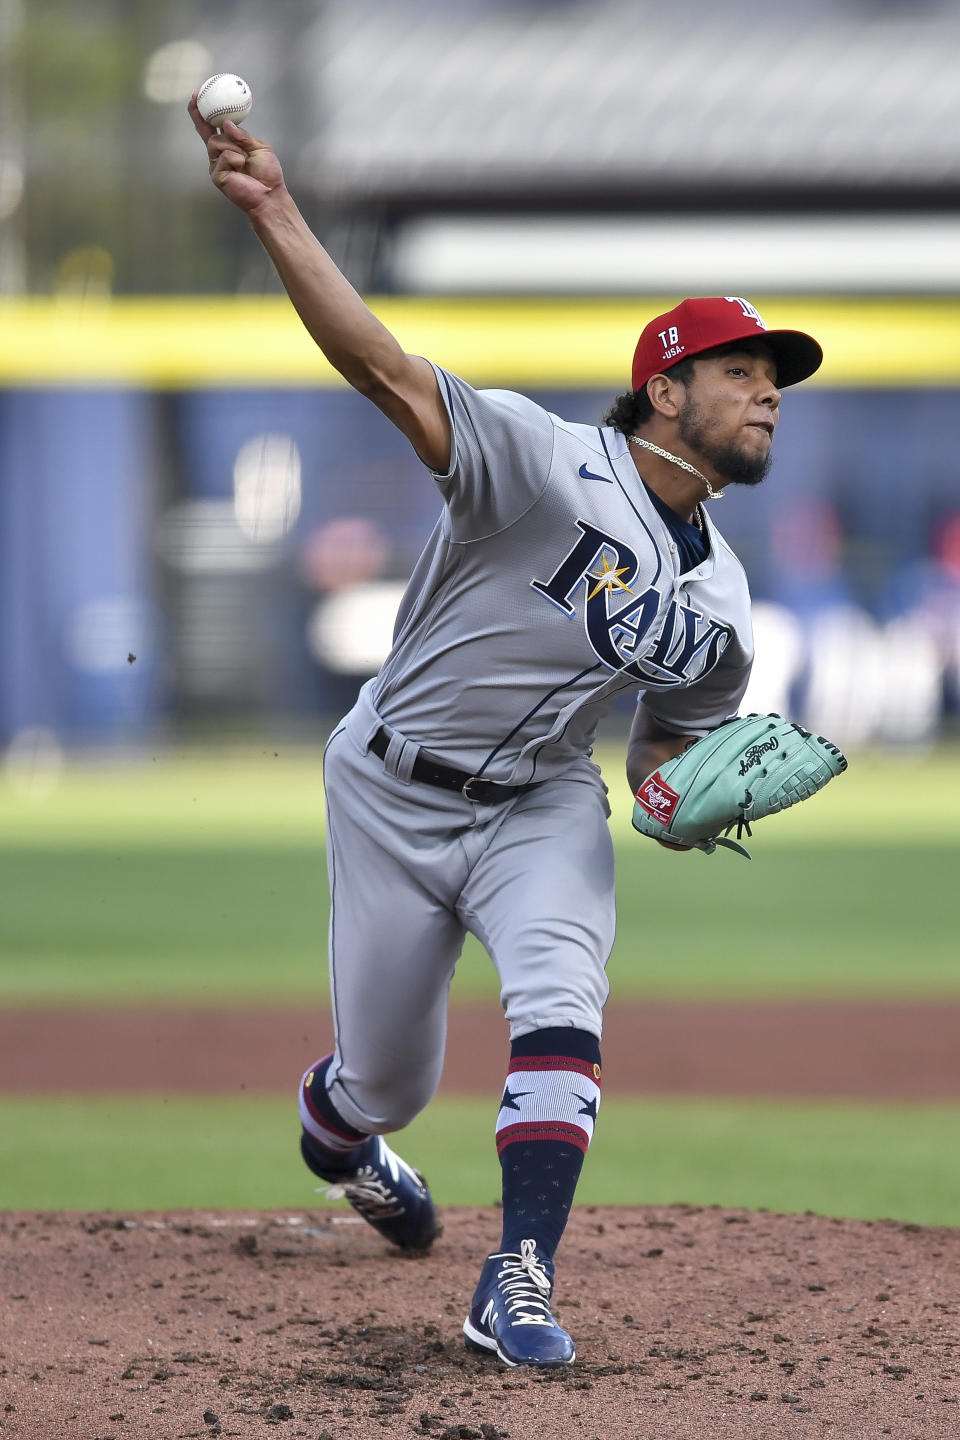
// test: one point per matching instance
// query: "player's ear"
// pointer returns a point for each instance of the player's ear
(665, 395)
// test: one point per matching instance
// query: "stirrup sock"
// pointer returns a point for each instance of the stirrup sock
(547, 1114)
(328, 1144)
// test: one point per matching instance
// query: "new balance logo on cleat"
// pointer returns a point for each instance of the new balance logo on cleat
(511, 1314)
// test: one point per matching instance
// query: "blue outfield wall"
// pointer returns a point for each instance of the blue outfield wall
(862, 508)
(77, 584)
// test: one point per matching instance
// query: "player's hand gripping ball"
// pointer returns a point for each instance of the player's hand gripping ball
(749, 767)
(224, 97)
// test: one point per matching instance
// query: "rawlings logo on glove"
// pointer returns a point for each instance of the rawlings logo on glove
(657, 798)
(755, 754)
(749, 767)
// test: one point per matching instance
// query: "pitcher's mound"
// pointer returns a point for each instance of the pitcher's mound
(688, 1323)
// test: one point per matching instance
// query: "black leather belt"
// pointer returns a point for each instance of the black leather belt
(447, 777)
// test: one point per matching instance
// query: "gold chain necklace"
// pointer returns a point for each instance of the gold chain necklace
(675, 459)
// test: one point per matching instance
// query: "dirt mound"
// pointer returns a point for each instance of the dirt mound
(688, 1322)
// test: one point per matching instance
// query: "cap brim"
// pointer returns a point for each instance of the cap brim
(797, 355)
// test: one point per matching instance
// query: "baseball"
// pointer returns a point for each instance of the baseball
(224, 97)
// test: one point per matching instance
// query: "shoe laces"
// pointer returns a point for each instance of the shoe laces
(525, 1285)
(369, 1194)
(369, 1190)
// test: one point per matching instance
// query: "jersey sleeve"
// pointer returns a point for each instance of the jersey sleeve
(696, 709)
(500, 457)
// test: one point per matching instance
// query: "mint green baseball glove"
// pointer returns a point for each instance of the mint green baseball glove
(749, 767)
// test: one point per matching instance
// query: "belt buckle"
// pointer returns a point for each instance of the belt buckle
(465, 789)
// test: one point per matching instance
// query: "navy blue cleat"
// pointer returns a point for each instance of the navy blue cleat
(390, 1195)
(511, 1315)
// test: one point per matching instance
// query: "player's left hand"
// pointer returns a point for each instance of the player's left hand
(749, 767)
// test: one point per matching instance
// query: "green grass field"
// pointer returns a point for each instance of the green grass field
(121, 1153)
(202, 878)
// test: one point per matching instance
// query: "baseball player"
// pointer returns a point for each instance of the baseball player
(569, 564)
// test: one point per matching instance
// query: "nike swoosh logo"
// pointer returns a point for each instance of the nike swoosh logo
(586, 474)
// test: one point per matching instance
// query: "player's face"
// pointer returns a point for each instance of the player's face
(730, 412)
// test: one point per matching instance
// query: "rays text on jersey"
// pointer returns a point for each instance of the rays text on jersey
(660, 644)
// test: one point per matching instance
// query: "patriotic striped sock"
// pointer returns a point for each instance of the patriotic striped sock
(328, 1144)
(544, 1127)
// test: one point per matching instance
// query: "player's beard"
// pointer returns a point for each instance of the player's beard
(734, 464)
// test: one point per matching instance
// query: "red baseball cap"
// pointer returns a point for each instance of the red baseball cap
(698, 325)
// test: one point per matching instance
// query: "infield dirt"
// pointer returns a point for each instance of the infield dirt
(688, 1322)
(691, 1324)
(871, 1051)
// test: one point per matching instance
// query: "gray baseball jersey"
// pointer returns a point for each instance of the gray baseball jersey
(549, 585)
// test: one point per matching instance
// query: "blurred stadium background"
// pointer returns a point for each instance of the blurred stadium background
(204, 535)
(517, 187)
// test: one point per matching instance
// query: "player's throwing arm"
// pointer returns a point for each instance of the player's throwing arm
(369, 358)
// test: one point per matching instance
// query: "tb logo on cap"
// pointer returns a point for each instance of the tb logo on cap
(670, 340)
(750, 312)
